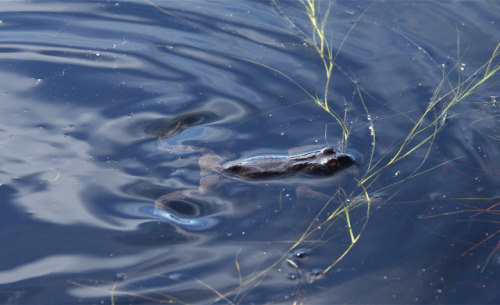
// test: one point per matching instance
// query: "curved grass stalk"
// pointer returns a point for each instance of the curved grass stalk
(354, 239)
(325, 51)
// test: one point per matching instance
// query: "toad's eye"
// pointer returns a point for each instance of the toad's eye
(331, 162)
(328, 151)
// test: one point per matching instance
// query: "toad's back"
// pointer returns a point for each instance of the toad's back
(321, 162)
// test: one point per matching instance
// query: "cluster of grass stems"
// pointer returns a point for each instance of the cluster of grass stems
(420, 138)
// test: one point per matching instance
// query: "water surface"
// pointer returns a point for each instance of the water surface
(95, 93)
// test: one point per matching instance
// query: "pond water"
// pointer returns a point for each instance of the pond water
(107, 109)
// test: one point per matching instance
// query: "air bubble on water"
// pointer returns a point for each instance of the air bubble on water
(316, 272)
(292, 276)
(120, 276)
(301, 253)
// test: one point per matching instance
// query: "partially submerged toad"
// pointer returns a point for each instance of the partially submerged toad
(320, 162)
(215, 172)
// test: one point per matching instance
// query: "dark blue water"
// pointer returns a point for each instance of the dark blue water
(108, 107)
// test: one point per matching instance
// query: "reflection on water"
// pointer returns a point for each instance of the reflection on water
(95, 96)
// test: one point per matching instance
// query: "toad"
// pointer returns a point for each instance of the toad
(214, 171)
